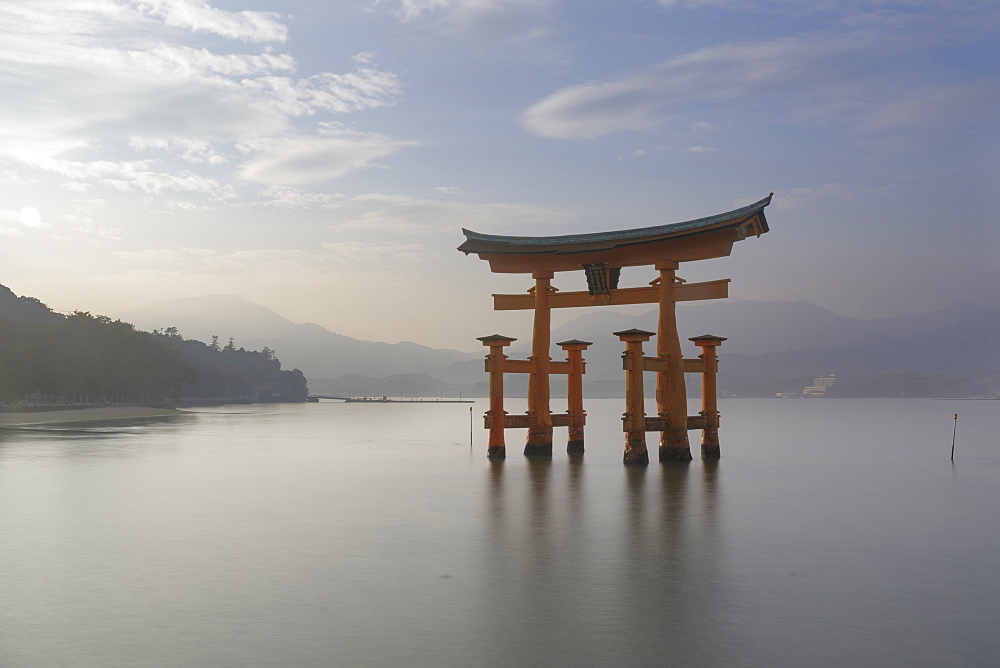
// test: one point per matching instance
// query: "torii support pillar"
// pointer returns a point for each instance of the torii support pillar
(574, 394)
(709, 403)
(539, 441)
(635, 411)
(496, 449)
(671, 394)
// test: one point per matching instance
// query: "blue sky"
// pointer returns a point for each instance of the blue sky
(321, 158)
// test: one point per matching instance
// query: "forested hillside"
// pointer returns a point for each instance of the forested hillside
(234, 372)
(49, 357)
(86, 356)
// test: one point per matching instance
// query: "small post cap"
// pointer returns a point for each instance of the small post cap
(575, 342)
(496, 340)
(707, 340)
(634, 334)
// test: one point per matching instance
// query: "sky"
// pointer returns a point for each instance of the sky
(321, 158)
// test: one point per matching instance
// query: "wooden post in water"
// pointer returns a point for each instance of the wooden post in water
(671, 394)
(574, 393)
(539, 440)
(496, 448)
(709, 400)
(953, 432)
(635, 411)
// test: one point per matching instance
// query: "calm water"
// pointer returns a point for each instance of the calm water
(832, 532)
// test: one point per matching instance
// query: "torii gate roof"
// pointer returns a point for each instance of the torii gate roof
(697, 239)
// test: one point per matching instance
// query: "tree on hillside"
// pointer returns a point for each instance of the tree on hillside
(235, 372)
(91, 355)
(105, 357)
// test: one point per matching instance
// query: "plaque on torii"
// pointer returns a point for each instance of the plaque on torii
(601, 256)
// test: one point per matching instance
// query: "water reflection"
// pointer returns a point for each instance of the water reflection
(119, 438)
(602, 556)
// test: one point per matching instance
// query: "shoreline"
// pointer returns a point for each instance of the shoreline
(97, 414)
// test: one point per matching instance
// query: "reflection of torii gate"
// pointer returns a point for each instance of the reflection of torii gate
(601, 256)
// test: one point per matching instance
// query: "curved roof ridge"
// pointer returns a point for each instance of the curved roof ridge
(621, 234)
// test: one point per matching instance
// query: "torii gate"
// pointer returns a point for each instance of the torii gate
(601, 256)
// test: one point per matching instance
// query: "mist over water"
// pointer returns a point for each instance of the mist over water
(831, 531)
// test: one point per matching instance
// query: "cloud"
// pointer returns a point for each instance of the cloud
(300, 160)
(364, 255)
(332, 258)
(86, 227)
(590, 110)
(188, 269)
(523, 27)
(703, 149)
(130, 176)
(848, 80)
(120, 94)
(871, 9)
(410, 10)
(200, 16)
(698, 4)
(803, 197)
(705, 126)
(295, 198)
(403, 214)
(7, 217)
(930, 106)
(472, 14)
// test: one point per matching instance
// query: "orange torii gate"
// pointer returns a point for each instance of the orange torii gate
(601, 256)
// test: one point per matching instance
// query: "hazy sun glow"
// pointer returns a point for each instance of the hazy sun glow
(29, 216)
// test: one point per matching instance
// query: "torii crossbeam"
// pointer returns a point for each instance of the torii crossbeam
(601, 256)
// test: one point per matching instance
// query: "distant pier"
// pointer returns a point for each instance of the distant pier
(388, 400)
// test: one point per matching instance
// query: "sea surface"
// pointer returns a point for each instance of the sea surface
(832, 532)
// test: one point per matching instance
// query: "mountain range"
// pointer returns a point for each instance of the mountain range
(778, 339)
(318, 352)
(766, 340)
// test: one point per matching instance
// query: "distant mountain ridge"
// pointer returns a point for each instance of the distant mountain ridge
(795, 339)
(319, 352)
(766, 339)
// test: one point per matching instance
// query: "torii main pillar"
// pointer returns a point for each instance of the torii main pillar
(539, 440)
(671, 393)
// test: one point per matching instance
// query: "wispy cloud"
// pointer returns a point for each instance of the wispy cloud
(403, 214)
(295, 198)
(872, 9)
(805, 196)
(524, 28)
(200, 16)
(289, 161)
(328, 259)
(849, 81)
(363, 255)
(81, 226)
